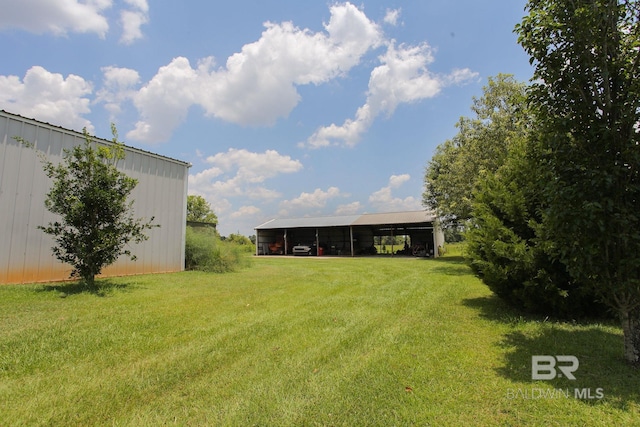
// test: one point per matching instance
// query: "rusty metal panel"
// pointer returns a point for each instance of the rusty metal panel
(25, 251)
(8, 184)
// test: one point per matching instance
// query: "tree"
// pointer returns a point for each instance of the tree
(504, 243)
(90, 195)
(199, 210)
(238, 239)
(479, 147)
(586, 99)
(487, 179)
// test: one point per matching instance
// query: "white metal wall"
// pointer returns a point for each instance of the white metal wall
(25, 251)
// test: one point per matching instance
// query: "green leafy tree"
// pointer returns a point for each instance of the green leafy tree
(238, 239)
(480, 147)
(243, 242)
(90, 196)
(199, 210)
(586, 98)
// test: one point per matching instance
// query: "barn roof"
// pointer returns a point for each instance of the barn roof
(388, 218)
(309, 222)
(396, 218)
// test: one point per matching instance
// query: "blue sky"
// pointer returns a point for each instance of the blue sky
(284, 108)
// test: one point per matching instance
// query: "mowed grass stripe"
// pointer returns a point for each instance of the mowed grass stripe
(304, 341)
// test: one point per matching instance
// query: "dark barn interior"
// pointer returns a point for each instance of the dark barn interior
(351, 235)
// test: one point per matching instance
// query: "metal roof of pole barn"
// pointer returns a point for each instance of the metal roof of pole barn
(390, 218)
(25, 252)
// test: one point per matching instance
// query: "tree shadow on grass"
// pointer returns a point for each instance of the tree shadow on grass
(598, 348)
(451, 265)
(102, 288)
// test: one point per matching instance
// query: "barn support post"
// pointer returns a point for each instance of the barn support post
(438, 237)
(393, 240)
(285, 241)
(435, 243)
(351, 238)
(317, 244)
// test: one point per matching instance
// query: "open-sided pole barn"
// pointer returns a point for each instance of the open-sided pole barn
(25, 252)
(350, 234)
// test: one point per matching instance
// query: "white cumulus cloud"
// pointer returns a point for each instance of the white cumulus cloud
(396, 181)
(61, 17)
(241, 173)
(140, 5)
(384, 200)
(204, 178)
(257, 85)
(49, 97)
(309, 201)
(392, 16)
(56, 17)
(349, 209)
(246, 211)
(164, 101)
(402, 77)
(118, 86)
(254, 167)
(133, 19)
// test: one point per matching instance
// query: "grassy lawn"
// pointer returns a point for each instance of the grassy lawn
(305, 341)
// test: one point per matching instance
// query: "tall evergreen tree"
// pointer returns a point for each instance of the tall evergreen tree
(504, 243)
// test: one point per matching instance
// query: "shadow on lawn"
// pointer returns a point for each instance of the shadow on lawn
(451, 265)
(599, 352)
(102, 288)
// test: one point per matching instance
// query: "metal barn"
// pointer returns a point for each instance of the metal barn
(25, 251)
(351, 235)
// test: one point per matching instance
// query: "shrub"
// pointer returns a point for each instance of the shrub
(204, 251)
(245, 244)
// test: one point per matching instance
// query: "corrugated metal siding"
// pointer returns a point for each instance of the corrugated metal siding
(25, 251)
